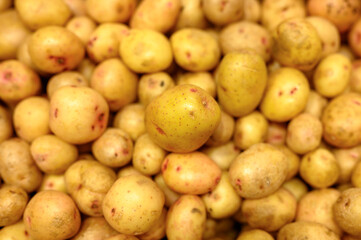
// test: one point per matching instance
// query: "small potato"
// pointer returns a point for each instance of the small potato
(222, 155)
(250, 129)
(286, 95)
(246, 35)
(255, 234)
(203, 80)
(94, 228)
(6, 126)
(297, 187)
(259, 171)
(223, 201)
(53, 182)
(276, 133)
(110, 10)
(88, 182)
(319, 168)
(293, 160)
(157, 15)
(347, 160)
(67, 78)
(53, 155)
(82, 27)
(133, 205)
(51, 215)
(127, 171)
(146, 51)
(195, 49)
(18, 81)
(190, 173)
(253, 12)
(147, 156)
(317, 206)
(241, 81)
(338, 130)
(131, 120)
(12, 205)
(328, 33)
(152, 85)
(158, 229)
(191, 15)
(223, 12)
(354, 37)
(31, 118)
(86, 68)
(170, 195)
(347, 212)
(340, 12)
(55, 49)
(186, 219)
(78, 114)
(315, 104)
(356, 175)
(332, 75)
(224, 131)
(306, 230)
(114, 148)
(17, 167)
(296, 44)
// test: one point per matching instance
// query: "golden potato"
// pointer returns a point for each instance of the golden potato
(110, 10)
(158, 229)
(203, 80)
(191, 15)
(255, 234)
(94, 228)
(127, 171)
(354, 37)
(86, 68)
(6, 126)
(297, 187)
(67, 78)
(347, 159)
(306, 230)
(15, 231)
(53, 182)
(170, 195)
(224, 131)
(222, 155)
(223, 12)
(315, 104)
(276, 133)
(82, 27)
(253, 13)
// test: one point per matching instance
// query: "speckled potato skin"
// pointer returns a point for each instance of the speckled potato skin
(146, 51)
(241, 80)
(255, 234)
(67, 78)
(55, 49)
(286, 95)
(12, 205)
(191, 15)
(133, 204)
(110, 10)
(347, 211)
(195, 49)
(259, 171)
(186, 219)
(317, 206)
(82, 27)
(296, 44)
(338, 130)
(157, 15)
(93, 228)
(353, 40)
(182, 118)
(78, 114)
(190, 173)
(223, 12)
(306, 230)
(158, 229)
(223, 132)
(51, 215)
(6, 126)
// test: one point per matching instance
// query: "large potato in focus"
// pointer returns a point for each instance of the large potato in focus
(182, 118)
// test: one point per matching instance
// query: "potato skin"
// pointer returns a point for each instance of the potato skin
(353, 39)
(93, 228)
(306, 230)
(255, 234)
(110, 10)
(221, 13)
(6, 126)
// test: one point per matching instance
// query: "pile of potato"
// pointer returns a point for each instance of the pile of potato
(180, 119)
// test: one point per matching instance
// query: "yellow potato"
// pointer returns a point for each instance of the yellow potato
(191, 15)
(224, 131)
(158, 229)
(127, 171)
(306, 230)
(223, 12)
(77, 7)
(253, 13)
(222, 155)
(86, 68)
(110, 10)
(23, 56)
(354, 37)
(355, 177)
(53, 182)
(67, 78)
(293, 160)
(315, 104)
(6, 126)
(170, 195)
(276, 133)
(347, 160)
(347, 52)
(355, 78)
(203, 80)
(82, 27)
(93, 228)
(297, 187)
(255, 234)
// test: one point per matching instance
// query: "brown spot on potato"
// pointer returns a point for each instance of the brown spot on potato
(8, 75)
(58, 60)
(79, 187)
(356, 102)
(347, 203)
(112, 212)
(218, 179)
(165, 164)
(188, 55)
(26, 233)
(115, 154)
(50, 184)
(293, 90)
(358, 37)
(94, 204)
(161, 131)
(28, 219)
(280, 93)
(93, 127)
(264, 40)
(125, 151)
(238, 183)
(196, 210)
(178, 168)
(91, 41)
(56, 112)
(101, 117)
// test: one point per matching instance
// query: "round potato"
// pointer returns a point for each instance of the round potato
(191, 15)
(94, 228)
(110, 10)
(297, 187)
(6, 126)
(53, 182)
(259, 171)
(306, 230)
(170, 195)
(224, 131)
(315, 104)
(222, 155)
(67, 78)
(203, 80)
(223, 12)
(255, 234)
(82, 27)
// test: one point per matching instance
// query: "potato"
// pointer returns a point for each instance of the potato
(255, 234)
(296, 187)
(110, 10)
(12, 205)
(17, 166)
(131, 120)
(253, 13)
(94, 228)
(78, 114)
(191, 15)
(250, 129)
(203, 80)
(332, 75)
(315, 104)
(127, 207)
(346, 211)
(259, 171)
(241, 80)
(279, 206)
(170, 195)
(293, 160)
(15, 231)
(195, 50)
(319, 168)
(18, 81)
(354, 37)
(127, 171)
(86, 68)
(55, 49)
(190, 173)
(296, 44)
(306, 230)
(347, 52)
(338, 130)
(286, 95)
(67, 78)
(223, 12)
(347, 160)
(182, 118)
(88, 182)
(23, 55)
(152, 85)
(114, 148)
(146, 51)
(51, 215)
(31, 118)
(276, 133)
(341, 13)
(12, 33)
(122, 237)
(275, 12)
(186, 218)
(53, 182)
(328, 33)
(223, 201)
(210, 228)
(222, 155)
(246, 35)
(82, 27)
(6, 126)
(355, 177)
(157, 15)
(77, 7)
(349, 237)
(5, 4)
(147, 156)
(355, 78)
(224, 131)
(158, 229)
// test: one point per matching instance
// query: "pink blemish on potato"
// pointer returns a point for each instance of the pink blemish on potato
(193, 90)
(238, 183)
(28, 219)
(26, 233)
(241, 30)
(169, 4)
(188, 55)
(280, 93)
(91, 41)
(56, 112)
(125, 32)
(217, 180)
(50, 185)
(356, 102)
(125, 151)
(112, 212)
(165, 164)
(75, 213)
(223, 5)
(7, 75)
(152, 83)
(94, 204)
(345, 67)
(293, 90)
(354, 155)
(264, 40)
(178, 168)
(358, 37)
(58, 60)
(110, 50)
